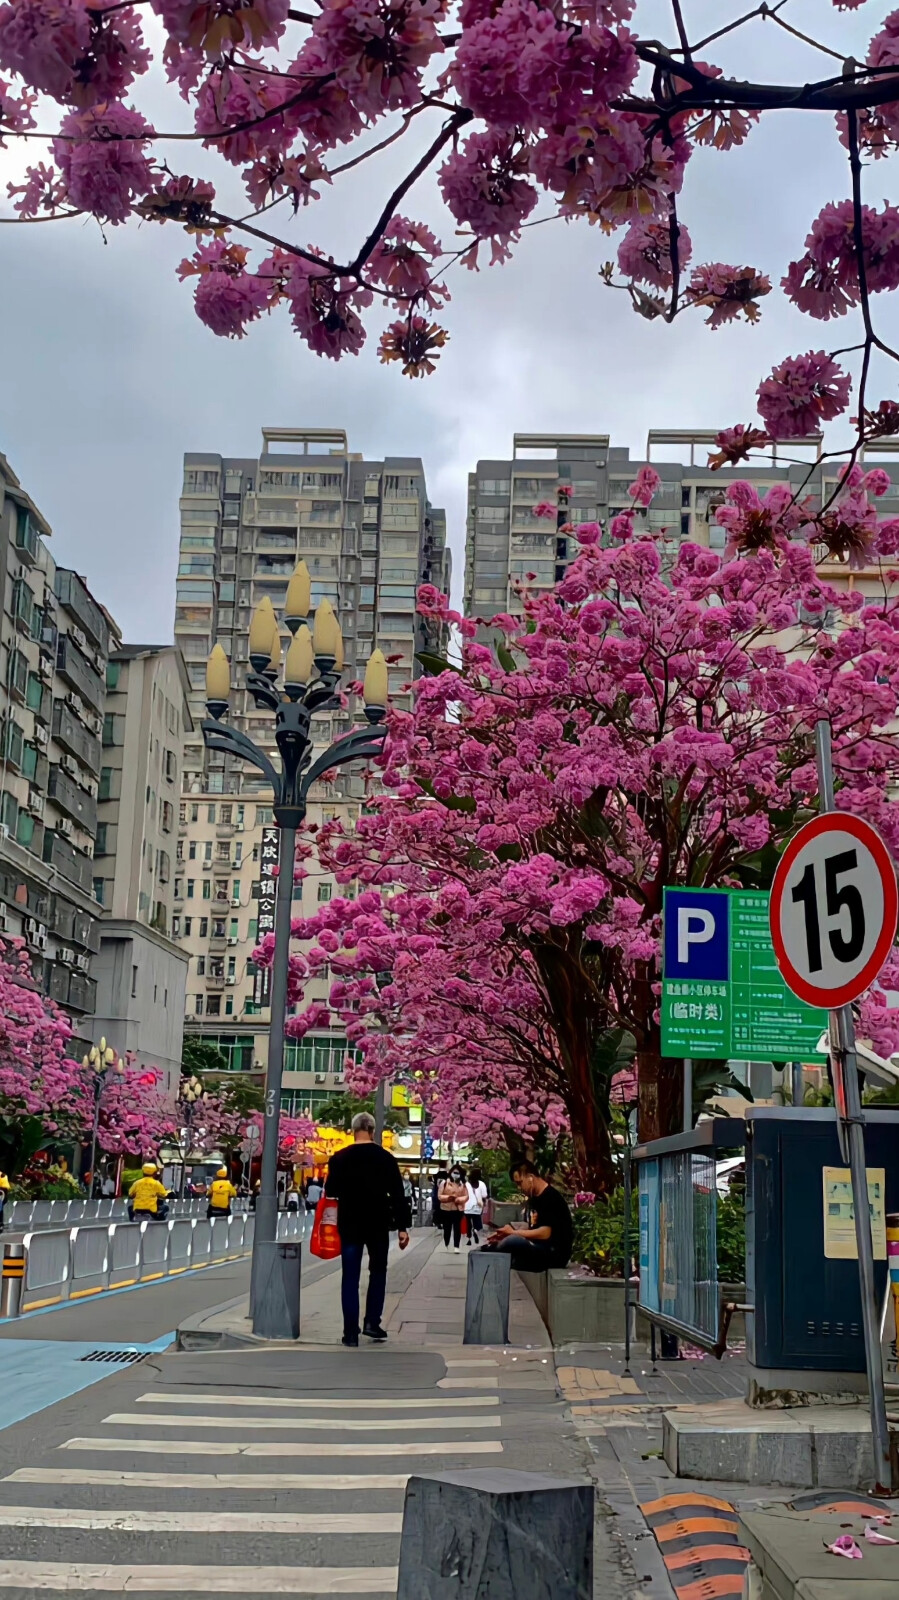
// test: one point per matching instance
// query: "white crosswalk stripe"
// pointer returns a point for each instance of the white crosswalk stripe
(161, 1419)
(142, 1521)
(233, 1447)
(357, 1482)
(33, 1576)
(289, 1403)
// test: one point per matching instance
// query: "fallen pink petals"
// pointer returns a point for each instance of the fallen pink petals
(846, 1546)
(874, 1536)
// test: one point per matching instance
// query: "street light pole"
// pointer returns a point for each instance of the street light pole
(190, 1094)
(105, 1064)
(310, 683)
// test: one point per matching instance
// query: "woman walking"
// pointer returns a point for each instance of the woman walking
(452, 1195)
(476, 1196)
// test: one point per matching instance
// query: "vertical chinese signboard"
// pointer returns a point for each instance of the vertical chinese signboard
(723, 997)
(268, 893)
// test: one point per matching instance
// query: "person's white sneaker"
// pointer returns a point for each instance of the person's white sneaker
(456, 1248)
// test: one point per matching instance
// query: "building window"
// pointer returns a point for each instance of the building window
(25, 829)
(99, 885)
(100, 841)
(234, 928)
(198, 1005)
(229, 1005)
(207, 849)
(207, 889)
(191, 886)
(324, 891)
(210, 813)
(105, 790)
(235, 889)
(170, 766)
(297, 892)
(232, 966)
(192, 850)
(113, 668)
(201, 966)
(134, 983)
(204, 927)
(263, 816)
(195, 813)
(252, 928)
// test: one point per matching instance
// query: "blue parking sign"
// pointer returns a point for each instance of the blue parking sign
(696, 935)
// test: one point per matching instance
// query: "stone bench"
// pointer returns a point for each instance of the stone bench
(584, 1310)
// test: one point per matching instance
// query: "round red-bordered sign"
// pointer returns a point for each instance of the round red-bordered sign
(833, 911)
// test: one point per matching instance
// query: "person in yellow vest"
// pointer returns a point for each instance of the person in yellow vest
(221, 1193)
(4, 1191)
(148, 1196)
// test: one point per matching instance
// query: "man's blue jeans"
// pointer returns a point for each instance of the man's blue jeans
(351, 1257)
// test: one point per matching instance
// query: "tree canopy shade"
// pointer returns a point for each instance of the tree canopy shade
(520, 112)
(648, 723)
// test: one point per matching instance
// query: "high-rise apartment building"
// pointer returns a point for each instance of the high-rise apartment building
(54, 643)
(506, 541)
(141, 971)
(369, 537)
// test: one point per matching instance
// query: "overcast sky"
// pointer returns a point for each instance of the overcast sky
(108, 377)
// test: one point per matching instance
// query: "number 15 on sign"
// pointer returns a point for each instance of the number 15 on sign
(833, 909)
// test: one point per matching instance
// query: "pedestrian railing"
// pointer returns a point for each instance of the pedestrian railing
(51, 1265)
(30, 1214)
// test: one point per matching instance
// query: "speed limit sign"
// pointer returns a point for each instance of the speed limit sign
(833, 909)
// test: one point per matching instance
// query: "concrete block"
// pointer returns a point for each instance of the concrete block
(736, 1454)
(826, 1447)
(487, 1298)
(276, 1306)
(496, 1535)
(789, 1550)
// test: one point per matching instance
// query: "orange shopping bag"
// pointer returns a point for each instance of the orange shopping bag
(325, 1241)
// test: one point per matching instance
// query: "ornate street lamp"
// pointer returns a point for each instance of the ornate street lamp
(190, 1094)
(105, 1064)
(311, 676)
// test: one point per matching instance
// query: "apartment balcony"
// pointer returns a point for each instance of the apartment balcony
(72, 864)
(73, 800)
(75, 738)
(74, 597)
(75, 669)
(215, 980)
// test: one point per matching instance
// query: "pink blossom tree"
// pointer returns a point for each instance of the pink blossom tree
(649, 723)
(522, 112)
(137, 1115)
(44, 1093)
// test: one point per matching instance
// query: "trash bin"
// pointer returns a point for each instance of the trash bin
(276, 1302)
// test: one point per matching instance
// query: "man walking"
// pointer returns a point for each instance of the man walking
(366, 1182)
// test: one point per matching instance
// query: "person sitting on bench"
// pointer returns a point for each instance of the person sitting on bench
(546, 1239)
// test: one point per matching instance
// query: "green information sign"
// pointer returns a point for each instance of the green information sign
(722, 994)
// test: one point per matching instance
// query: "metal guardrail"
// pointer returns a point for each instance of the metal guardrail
(30, 1214)
(52, 1265)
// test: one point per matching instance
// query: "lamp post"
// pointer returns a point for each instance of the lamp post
(105, 1064)
(311, 675)
(190, 1094)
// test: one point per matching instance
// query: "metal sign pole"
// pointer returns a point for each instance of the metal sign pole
(851, 1127)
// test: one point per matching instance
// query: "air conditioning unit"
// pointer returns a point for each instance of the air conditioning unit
(79, 638)
(36, 803)
(84, 962)
(70, 765)
(231, 978)
(75, 703)
(236, 901)
(41, 938)
(4, 920)
(207, 866)
(4, 830)
(66, 827)
(239, 827)
(41, 736)
(66, 955)
(232, 939)
(30, 927)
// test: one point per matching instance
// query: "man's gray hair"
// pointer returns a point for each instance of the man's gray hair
(363, 1122)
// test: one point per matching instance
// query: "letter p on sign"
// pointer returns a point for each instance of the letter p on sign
(696, 935)
(693, 927)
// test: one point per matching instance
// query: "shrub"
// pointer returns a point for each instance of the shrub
(732, 1235)
(599, 1234)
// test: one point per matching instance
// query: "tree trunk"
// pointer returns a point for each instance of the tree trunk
(660, 1081)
